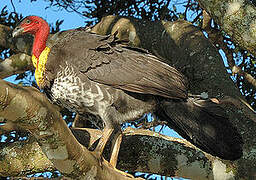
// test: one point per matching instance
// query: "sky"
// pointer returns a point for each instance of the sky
(51, 15)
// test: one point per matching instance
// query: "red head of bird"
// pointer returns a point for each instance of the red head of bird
(39, 28)
(36, 26)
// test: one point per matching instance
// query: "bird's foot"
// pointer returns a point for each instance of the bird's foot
(99, 157)
(101, 160)
(122, 172)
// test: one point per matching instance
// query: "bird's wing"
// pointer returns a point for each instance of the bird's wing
(102, 60)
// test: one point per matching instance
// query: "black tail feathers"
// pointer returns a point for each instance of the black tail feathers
(205, 124)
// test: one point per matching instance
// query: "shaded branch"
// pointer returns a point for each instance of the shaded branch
(15, 64)
(150, 151)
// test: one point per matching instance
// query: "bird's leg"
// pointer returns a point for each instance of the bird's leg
(116, 143)
(103, 140)
(76, 122)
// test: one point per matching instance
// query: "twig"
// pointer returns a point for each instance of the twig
(13, 6)
(185, 13)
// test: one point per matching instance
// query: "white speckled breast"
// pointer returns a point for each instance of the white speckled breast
(79, 95)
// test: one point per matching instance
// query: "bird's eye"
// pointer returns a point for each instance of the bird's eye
(28, 21)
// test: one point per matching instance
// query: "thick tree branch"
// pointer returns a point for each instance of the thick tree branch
(22, 158)
(152, 153)
(236, 18)
(15, 64)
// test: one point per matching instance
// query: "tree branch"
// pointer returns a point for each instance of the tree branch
(22, 158)
(236, 18)
(216, 37)
(176, 157)
(15, 64)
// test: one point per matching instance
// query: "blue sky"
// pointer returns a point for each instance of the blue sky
(71, 20)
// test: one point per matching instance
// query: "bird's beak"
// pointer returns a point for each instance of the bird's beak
(17, 31)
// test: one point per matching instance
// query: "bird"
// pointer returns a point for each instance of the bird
(99, 75)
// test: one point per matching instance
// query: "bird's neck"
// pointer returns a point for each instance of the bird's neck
(40, 39)
(40, 53)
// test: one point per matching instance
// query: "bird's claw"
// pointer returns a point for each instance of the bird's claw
(99, 157)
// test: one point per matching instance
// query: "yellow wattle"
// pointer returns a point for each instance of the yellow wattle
(39, 64)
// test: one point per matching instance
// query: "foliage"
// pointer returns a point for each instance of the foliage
(8, 19)
(93, 11)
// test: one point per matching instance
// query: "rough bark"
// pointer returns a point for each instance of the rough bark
(15, 64)
(22, 158)
(236, 18)
(156, 154)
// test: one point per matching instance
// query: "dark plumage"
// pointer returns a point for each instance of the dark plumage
(88, 73)
(139, 83)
